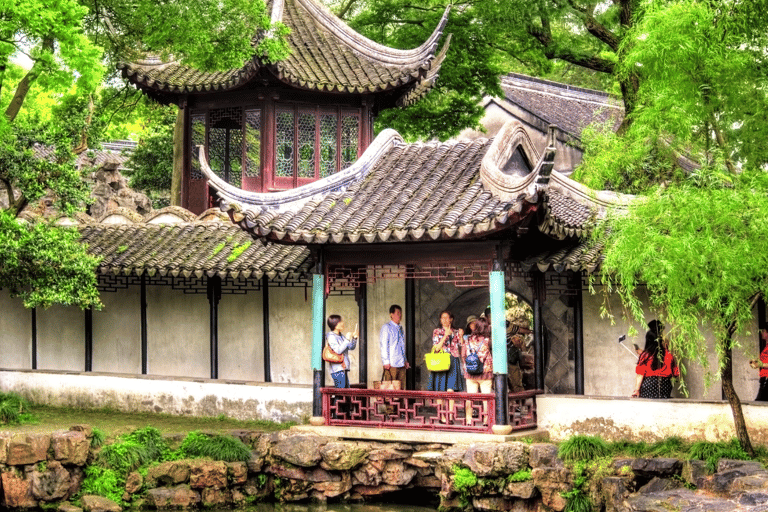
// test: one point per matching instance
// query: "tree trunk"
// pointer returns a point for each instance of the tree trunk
(23, 88)
(733, 399)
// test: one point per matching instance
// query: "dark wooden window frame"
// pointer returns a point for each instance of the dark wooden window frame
(267, 179)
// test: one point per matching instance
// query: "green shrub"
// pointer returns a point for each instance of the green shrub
(520, 476)
(711, 452)
(104, 482)
(463, 481)
(577, 501)
(97, 438)
(138, 448)
(583, 448)
(13, 409)
(226, 448)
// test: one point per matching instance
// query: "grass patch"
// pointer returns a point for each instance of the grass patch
(113, 423)
(14, 410)
(711, 453)
(217, 447)
(583, 448)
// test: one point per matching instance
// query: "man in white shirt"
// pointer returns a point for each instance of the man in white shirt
(392, 344)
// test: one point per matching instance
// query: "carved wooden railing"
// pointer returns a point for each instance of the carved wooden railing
(424, 410)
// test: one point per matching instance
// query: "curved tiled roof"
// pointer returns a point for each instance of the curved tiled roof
(167, 243)
(412, 192)
(326, 55)
(568, 107)
(467, 189)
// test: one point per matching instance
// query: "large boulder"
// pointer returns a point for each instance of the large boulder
(299, 450)
(26, 449)
(54, 483)
(17, 490)
(496, 459)
(544, 455)
(237, 472)
(341, 456)
(99, 504)
(206, 473)
(169, 473)
(70, 447)
(397, 473)
(551, 483)
(181, 496)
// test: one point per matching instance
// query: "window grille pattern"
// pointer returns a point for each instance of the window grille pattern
(198, 139)
(284, 144)
(350, 129)
(225, 143)
(252, 143)
(306, 145)
(328, 144)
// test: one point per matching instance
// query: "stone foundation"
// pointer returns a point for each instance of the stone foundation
(39, 470)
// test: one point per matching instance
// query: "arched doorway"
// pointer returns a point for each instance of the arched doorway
(519, 321)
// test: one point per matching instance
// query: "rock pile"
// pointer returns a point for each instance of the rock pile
(40, 470)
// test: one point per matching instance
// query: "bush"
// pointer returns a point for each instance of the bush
(226, 448)
(711, 453)
(13, 409)
(583, 448)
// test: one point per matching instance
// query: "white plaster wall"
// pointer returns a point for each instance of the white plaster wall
(61, 338)
(637, 419)
(198, 397)
(15, 333)
(609, 369)
(117, 332)
(241, 336)
(381, 295)
(178, 341)
(346, 306)
(290, 324)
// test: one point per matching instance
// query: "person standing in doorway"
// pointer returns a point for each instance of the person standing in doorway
(392, 344)
(762, 365)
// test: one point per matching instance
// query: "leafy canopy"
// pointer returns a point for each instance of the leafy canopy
(695, 238)
(66, 100)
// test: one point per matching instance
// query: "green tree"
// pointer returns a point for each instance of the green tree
(470, 71)
(150, 162)
(695, 239)
(60, 101)
(576, 41)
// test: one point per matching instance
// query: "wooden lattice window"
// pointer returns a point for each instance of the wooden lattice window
(313, 143)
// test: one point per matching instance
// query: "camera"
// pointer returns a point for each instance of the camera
(622, 337)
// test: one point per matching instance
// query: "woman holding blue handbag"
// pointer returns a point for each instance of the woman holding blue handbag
(447, 340)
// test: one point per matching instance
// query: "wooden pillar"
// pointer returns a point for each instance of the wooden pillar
(538, 328)
(265, 322)
(34, 338)
(578, 333)
(410, 328)
(318, 314)
(499, 341)
(361, 294)
(214, 295)
(89, 339)
(143, 322)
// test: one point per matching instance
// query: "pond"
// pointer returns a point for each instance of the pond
(402, 504)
